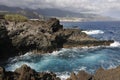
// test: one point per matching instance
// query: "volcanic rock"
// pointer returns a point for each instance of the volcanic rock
(43, 37)
(26, 73)
(101, 74)
(111, 74)
(2, 73)
(82, 75)
(6, 48)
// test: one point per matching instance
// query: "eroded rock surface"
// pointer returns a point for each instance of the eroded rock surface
(82, 75)
(42, 37)
(47, 36)
(26, 73)
(6, 48)
(111, 74)
(101, 74)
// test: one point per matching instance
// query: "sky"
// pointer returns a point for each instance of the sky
(104, 7)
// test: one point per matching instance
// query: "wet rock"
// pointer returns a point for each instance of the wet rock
(73, 76)
(48, 76)
(26, 73)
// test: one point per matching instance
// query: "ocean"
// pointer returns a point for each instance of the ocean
(65, 61)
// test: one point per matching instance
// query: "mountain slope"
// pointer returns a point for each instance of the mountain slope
(26, 12)
(40, 13)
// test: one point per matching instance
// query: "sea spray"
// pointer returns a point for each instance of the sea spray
(115, 44)
(93, 32)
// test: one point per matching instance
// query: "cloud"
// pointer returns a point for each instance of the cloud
(95, 6)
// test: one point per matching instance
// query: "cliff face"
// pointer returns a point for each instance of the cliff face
(47, 36)
(35, 35)
(6, 48)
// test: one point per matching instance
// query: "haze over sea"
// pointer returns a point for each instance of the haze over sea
(65, 61)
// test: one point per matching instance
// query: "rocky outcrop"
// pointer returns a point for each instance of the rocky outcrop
(88, 43)
(26, 73)
(101, 74)
(6, 47)
(35, 35)
(82, 75)
(42, 36)
(47, 36)
(111, 74)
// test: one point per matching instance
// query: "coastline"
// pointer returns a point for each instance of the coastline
(44, 37)
(26, 73)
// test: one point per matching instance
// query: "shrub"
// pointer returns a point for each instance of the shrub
(15, 17)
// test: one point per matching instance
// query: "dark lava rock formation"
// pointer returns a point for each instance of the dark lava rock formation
(26, 73)
(45, 36)
(42, 36)
(6, 48)
(101, 74)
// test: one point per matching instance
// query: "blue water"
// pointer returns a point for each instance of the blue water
(111, 29)
(65, 61)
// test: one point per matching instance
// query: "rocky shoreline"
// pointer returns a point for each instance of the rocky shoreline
(41, 36)
(17, 38)
(26, 73)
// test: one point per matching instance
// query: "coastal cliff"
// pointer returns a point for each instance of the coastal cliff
(17, 38)
(47, 36)
(6, 47)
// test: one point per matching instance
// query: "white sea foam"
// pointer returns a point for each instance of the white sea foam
(115, 44)
(92, 32)
(64, 76)
(16, 63)
(21, 56)
(54, 53)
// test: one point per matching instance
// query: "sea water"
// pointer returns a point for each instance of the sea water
(65, 61)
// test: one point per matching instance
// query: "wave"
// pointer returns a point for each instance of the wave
(89, 55)
(115, 44)
(92, 32)
(29, 55)
(63, 75)
(19, 57)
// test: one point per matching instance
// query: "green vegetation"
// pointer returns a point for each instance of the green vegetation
(15, 17)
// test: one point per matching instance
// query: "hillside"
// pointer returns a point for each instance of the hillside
(60, 14)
